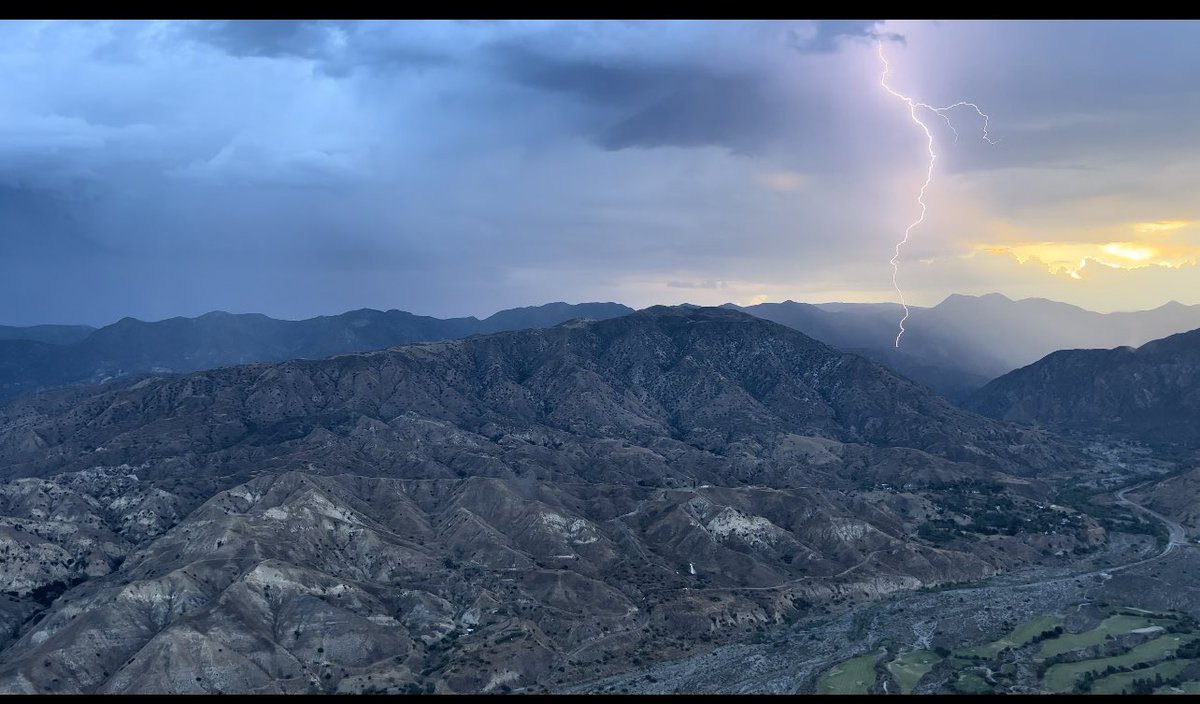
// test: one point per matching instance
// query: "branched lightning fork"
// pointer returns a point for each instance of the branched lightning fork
(914, 109)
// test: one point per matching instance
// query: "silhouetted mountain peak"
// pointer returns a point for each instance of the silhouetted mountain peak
(958, 300)
(688, 310)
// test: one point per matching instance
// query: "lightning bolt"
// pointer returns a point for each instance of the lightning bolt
(914, 109)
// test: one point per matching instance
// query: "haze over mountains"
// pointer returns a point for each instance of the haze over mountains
(1151, 393)
(954, 348)
(52, 334)
(963, 342)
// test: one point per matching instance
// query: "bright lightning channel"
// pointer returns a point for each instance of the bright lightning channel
(914, 108)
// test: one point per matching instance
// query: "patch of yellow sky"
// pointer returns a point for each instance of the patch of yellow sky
(1148, 244)
(1123, 246)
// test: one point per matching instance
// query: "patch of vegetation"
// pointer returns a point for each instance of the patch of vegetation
(854, 676)
(1118, 624)
(859, 624)
(1062, 677)
(971, 683)
(938, 530)
(1124, 681)
(1032, 631)
(988, 510)
(909, 668)
(47, 593)
(1114, 517)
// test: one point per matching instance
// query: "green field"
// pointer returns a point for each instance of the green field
(855, 676)
(1113, 684)
(972, 683)
(1116, 625)
(859, 675)
(909, 668)
(1061, 677)
(1019, 636)
(1184, 688)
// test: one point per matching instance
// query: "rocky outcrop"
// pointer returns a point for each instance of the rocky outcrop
(306, 583)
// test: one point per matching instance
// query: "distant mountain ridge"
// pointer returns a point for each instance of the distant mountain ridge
(1151, 393)
(963, 342)
(703, 375)
(953, 348)
(52, 334)
(216, 339)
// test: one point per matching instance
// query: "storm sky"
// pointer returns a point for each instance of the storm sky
(154, 169)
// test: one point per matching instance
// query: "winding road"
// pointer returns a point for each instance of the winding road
(1176, 534)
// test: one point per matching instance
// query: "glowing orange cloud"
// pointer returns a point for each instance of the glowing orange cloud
(1071, 257)
(1161, 225)
(1154, 244)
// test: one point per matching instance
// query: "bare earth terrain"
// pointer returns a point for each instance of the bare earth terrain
(679, 499)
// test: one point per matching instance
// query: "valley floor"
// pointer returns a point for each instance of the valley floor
(996, 635)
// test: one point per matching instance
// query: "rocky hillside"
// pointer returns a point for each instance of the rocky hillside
(1151, 393)
(520, 511)
(678, 394)
(305, 583)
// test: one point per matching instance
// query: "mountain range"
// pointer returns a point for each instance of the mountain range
(954, 347)
(520, 510)
(33, 359)
(963, 342)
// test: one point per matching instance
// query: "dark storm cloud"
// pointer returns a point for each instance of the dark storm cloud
(829, 34)
(337, 47)
(275, 38)
(725, 111)
(163, 168)
(635, 105)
